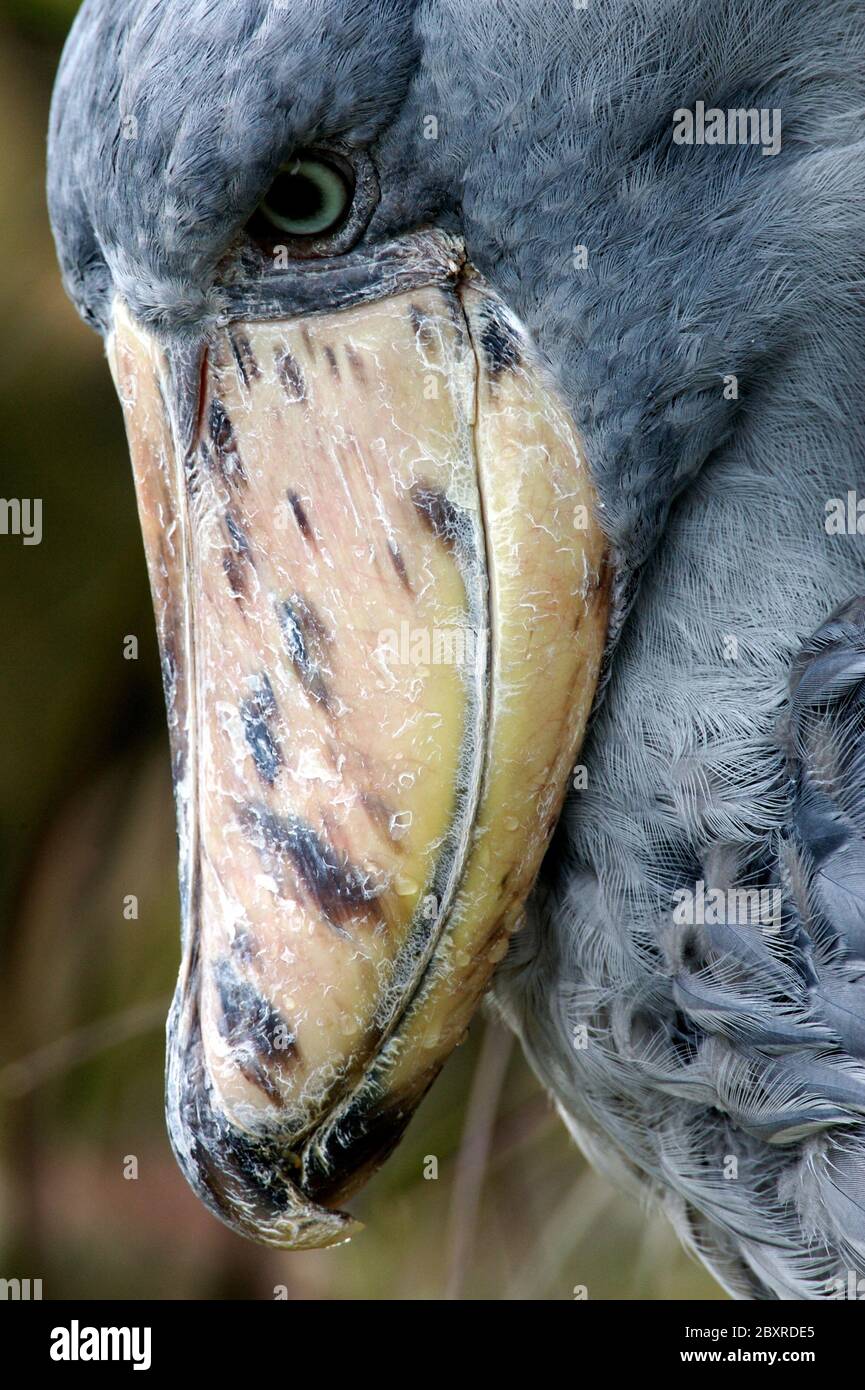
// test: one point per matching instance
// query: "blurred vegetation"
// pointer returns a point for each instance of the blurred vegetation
(86, 818)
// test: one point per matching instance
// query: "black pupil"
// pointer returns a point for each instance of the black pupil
(295, 197)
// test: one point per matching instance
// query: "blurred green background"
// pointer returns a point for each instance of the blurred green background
(86, 819)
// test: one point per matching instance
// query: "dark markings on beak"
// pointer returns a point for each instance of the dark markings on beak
(331, 361)
(221, 428)
(289, 371)
(257, 713)
(301, 518)
(244, 945)
(398, 563)
(194, 464)
(437, 512)
(338, 889)
(358, 1144)
(168, 664)
(423, 326)
(225, 444)
(228, 1168)
(500, 346)
(356, 363)
(306, 641)
(237, 558)
(233, 1169)
(242, 352)
(255, 1032)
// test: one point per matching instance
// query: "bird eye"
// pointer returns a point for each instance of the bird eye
(319, 204)
(309, 197)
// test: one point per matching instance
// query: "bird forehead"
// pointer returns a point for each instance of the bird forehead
(169, 121)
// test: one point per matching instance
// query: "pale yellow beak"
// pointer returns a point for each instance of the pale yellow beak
(382, 604)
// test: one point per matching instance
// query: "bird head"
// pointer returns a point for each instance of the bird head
(381, 586)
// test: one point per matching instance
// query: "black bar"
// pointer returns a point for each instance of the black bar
(283, 1339)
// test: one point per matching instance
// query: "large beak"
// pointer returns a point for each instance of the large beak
(382, 604)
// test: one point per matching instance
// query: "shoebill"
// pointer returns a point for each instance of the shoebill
(496, 431)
